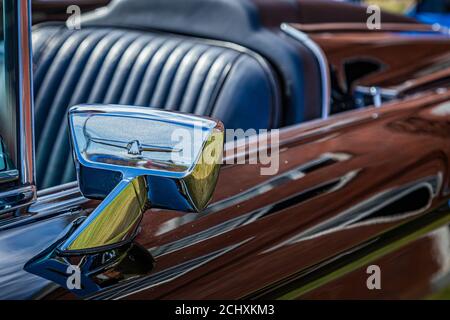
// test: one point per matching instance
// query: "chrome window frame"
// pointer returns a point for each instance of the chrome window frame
(21, 196)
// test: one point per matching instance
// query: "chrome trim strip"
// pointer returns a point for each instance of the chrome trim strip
(65, 201)
(19, 198)
(362, 27)
(55, 199)
(51, 192)
(25, 95)
(10, 175)
(322, 60)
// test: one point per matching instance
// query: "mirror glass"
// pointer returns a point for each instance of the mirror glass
(145, 139)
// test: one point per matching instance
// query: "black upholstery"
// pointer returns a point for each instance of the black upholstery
(106, 65)
(253, 24)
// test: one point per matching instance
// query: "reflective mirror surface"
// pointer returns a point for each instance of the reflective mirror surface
(137, 158)
(8, 128)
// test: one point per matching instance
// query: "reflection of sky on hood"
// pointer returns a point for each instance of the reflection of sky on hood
(17, 247)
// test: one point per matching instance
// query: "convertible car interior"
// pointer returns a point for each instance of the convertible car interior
(225, 59)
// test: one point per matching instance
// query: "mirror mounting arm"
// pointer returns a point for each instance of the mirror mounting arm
(114, 223)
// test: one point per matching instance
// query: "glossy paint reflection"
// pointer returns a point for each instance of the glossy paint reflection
(370, 68)
(141, 141)
(415, 270)
(18, 246)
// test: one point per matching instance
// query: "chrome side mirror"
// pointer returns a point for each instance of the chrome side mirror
(133, 158)
(136, 158)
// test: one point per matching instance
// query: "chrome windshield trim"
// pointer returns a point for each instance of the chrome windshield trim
(321, 59)
(379, 95)
(385, 92)
(26, 115)
(15, 201)
(65, 199)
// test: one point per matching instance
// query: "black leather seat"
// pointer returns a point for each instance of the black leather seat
(119, 66)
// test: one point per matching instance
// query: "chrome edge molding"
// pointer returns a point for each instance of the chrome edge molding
(322, 60)
(15, 199)
(25, 95)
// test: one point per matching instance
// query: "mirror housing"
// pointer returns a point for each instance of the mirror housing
(136, 158)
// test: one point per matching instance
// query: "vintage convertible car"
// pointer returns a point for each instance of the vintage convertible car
(362, 161)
